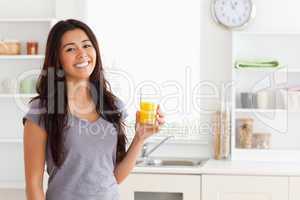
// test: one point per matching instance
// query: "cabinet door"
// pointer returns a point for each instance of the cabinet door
(215, 187)
(294, 188)
(161, 186)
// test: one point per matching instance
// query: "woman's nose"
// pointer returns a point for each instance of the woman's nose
(82, 53)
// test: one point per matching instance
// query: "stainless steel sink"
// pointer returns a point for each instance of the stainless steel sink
(180, 162)
(169, 162)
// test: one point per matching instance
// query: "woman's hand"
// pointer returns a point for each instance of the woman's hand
(143, 131)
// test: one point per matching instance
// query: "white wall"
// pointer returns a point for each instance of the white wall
(122, 28)
(151, 41)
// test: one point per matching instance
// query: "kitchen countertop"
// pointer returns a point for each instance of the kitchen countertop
(223, 167)
(168, 170)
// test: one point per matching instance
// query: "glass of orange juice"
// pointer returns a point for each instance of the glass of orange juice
(148, 108)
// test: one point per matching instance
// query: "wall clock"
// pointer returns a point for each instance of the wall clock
(233, 14)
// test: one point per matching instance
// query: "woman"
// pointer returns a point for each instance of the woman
(76, 125)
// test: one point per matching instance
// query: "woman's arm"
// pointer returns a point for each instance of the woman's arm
(124, 168)
(127, 164)
(35, 139)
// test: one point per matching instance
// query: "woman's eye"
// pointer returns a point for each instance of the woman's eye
(87, 46)
(70, 49)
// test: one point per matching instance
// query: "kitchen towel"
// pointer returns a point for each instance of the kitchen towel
(259, 63)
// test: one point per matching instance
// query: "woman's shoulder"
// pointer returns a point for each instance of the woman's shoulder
(35, 110)
(35, 102)
(35, 106)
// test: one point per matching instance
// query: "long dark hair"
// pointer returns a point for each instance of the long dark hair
(53, 96)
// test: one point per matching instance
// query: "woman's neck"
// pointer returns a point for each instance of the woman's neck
(79, 97)
(78, 90)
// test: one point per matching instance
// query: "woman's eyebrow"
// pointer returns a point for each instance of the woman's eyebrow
(72, 43)
(86, 40)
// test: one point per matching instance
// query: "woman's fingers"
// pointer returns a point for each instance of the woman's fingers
(152, 128)
(160, 120)
(160, 116)
(137, 116)
(159, 112)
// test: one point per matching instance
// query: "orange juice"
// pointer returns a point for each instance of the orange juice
(147, 112)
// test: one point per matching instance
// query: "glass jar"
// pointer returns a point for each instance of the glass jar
(32, 48)
(261, 140)
(245, 131)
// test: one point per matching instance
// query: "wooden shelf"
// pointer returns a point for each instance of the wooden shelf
(247, 110)
(21, 20)
(12, 185)
(22, 57)
(18, 95)
(267, 155)
(11, 140)
(266, 70)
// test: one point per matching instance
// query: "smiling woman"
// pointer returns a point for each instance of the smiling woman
(76, 124)
(78, 56)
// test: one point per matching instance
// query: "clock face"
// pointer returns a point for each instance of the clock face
(232, 13)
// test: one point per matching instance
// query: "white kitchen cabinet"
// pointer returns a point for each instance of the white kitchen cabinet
(161, 186)
(222, 187)
(294, 183)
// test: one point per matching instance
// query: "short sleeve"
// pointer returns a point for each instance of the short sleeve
(34, 114)
(121, 107)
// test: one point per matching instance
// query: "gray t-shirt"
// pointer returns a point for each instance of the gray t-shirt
(88, 170)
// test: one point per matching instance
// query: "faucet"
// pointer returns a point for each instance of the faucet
(145, 152)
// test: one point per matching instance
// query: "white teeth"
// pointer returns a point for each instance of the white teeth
(81, 65)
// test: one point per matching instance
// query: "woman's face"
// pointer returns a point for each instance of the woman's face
(77, 55)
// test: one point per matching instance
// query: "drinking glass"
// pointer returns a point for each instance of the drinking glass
(148, 107)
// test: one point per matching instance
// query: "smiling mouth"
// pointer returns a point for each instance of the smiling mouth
(82, 65)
